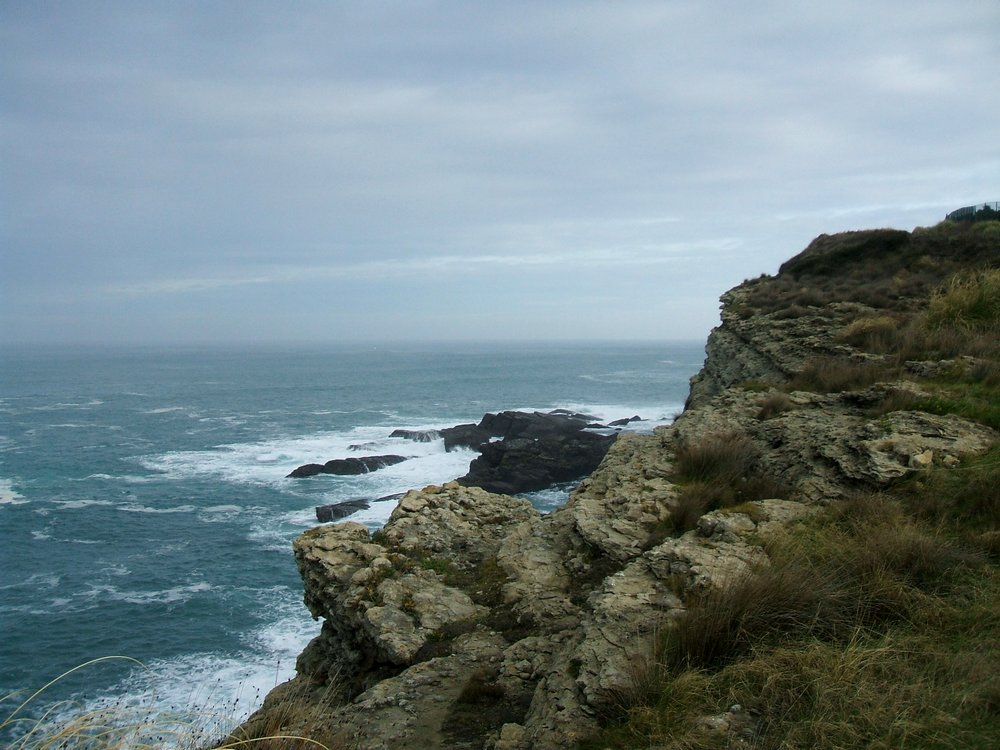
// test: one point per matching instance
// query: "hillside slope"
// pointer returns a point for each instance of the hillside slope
(807, 557)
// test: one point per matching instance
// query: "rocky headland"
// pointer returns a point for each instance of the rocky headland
(473, 621)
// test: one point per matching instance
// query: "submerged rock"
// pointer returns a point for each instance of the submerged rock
(347, 466)
(417, 436)
(336, 511)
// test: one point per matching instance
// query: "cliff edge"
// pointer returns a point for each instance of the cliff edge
(473, 621)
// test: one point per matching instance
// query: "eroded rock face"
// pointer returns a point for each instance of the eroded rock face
(618, 507)
(767, 348)
(467, 590)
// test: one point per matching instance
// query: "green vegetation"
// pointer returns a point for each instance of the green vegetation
(871, 627)
(888, 269)
(875, 622)
(719, 471)
(970, 301)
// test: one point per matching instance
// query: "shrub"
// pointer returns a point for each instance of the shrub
(719, 471)
(871, 333)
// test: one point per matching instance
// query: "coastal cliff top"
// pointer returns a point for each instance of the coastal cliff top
(808, 556)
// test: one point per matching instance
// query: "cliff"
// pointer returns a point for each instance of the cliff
(474, 621)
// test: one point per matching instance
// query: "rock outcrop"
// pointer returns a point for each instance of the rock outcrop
(473, 621)
(347, 466)
(532, 451)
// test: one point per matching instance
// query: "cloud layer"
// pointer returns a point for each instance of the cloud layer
(272, 171)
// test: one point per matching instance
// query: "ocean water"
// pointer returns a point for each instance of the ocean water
(145, 509)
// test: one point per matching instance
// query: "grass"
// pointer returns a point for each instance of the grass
(889, 270)
(720, 457)
(872, 626)
(836, 374)
(718, 471)
(979, 402)
(773, 404)
(970, 301)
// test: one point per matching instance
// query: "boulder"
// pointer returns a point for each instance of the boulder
(465, 436)
(417, 436)
(336, 511)
(347, 466)
(535, 450)
(623, 422)
(526, 464)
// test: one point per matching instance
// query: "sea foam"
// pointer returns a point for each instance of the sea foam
(10, 496)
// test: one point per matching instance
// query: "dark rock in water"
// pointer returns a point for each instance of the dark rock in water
(362, 446)
(307, 470)
(623, 422)
(465, 436)
(418, 436)
(347, 466)
(536, 450)
(340, 510)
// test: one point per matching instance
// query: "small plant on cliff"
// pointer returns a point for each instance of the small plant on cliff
(718, 471)
(773, 404)
(721, 457)
(835, 374)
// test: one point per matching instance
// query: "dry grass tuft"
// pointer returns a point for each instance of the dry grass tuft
(970, 301)
(773, 404)
(719, 471)
(835, 374)
(721, 457)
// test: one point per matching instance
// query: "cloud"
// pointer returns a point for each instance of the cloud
(436, 266)
(155, 150)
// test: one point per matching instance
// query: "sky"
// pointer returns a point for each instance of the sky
(290, 172)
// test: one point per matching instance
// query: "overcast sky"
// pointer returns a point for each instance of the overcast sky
(324, 171)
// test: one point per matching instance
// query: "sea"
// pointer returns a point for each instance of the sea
(145, 509)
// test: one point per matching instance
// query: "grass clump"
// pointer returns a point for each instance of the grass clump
(719, 471)
(773, 404)
(836, 374)
(966, 498)
(721, 457)
(979, 402)
(970, 301)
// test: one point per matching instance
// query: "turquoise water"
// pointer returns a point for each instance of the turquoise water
(144, 508)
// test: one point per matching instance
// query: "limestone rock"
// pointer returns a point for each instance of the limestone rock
(462, 524)
(618, 508)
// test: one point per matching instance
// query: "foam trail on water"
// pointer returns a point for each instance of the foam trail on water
(10, 496)
(196, 698)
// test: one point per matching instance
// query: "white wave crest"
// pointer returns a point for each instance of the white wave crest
(134, 508)
(164, 596)
(10, 496)
(84, 503)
